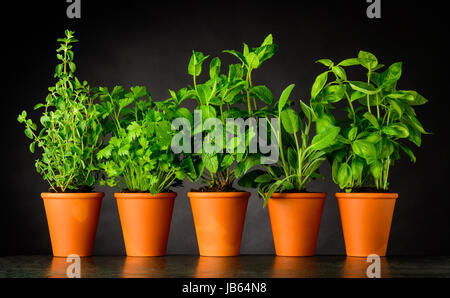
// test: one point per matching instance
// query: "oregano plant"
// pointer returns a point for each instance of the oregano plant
(69, 133)
(380, 121)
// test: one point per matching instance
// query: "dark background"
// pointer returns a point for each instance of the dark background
(140, 43)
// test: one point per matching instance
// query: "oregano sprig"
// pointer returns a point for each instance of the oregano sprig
(71, 132)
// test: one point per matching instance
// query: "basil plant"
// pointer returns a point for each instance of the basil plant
(300, 154)
(380, 121)
(220, 97)
(138, 155)
(70, 133)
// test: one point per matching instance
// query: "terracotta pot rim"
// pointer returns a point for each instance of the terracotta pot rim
(220, 195)
(299, 195)
(366, 195)
(144, 195)
(72, 195)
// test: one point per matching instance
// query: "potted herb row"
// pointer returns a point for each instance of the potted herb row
(68, 141)
(380, 119)
(139, 158)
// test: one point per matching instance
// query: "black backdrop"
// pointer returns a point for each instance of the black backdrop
(140, 43)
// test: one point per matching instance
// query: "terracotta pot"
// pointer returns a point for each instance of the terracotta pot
(145, 221)
(72, 222)
(219, 220)
(366, 221)
(295, 219)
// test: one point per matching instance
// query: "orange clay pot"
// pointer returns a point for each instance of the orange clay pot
(219, 221)
(295, 219)
(145, 221)
(366, 222)
(72, 221)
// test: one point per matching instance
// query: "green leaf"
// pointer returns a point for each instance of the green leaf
(357, 95)
(394, 105)
(357, 168)
(414, 136)
(134, 130)
(263, 93)
(373, 138)
(248, 180)
(398, 130)
(227, 161)
(368, 60)
(416, 99)
(325, 138)
(208, 112)
(214, 68)
(318, 85)
(352, 133)
(59, 69)
(350, 62)
(251, 161)
(186, 114)
(365, 150)
(29, 133)
(364, 87)
(195, 64)
(271, 190)
(326, 62)
(334, 93)
(376, 169)
(32, 147)
(290, 120)
(340, 72)
(72, 66)
(409, 152)
(414, 122)
(390, 75)
(204, 93)
(313, 166)
(268, 40)
(265, 178)
(38, 106)
(211, 162)
(307, 111)
(252, 60)
(292, 158)
(372, 119)
(284, 97)
(237, 54)
(125, 102)
(344, 175)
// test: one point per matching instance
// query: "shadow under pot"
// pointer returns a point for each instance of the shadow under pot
(145, 221)
(219, 220)
(72, 222)
(366, 222)
(295, 220)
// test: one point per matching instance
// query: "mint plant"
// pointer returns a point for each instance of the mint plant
(70, 133)
(219, 97)
(380, 121)
(138, 156)
(300, 156)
